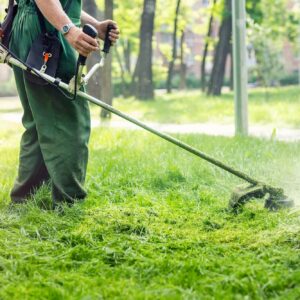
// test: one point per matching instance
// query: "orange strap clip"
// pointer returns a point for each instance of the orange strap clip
(46, 55)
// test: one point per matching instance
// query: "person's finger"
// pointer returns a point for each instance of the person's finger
(115, 31)
(82, 50)
(89, 40)
(111, 22)
(88, 47)
(82, 46)
(113, 36)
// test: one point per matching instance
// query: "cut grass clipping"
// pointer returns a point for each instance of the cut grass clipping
(154, 225)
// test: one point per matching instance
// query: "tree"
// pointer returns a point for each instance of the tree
(182, 83)
(221, 52)
(144, 88)
(206, 47)
(174, 49)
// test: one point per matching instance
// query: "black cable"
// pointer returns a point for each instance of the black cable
(76, 78)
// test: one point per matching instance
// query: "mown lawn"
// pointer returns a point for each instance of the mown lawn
(276, 106)
(155, 225)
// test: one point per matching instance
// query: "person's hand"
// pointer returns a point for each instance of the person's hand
(81, 42)
(102, 28)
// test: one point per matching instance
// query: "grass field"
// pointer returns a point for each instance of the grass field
(277, 106)
(155, 225)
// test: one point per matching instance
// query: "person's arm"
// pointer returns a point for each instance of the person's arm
(54, 13)
(101, 26)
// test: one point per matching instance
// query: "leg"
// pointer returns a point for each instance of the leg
(63, 129)
(57, 130)
(32, 170)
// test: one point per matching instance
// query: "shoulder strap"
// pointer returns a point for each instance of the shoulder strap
(11, 4)
(42, 19)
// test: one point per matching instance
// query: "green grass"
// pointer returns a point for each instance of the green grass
(154, 225)
(278, 106)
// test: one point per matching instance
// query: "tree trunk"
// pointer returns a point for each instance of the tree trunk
(182, 83)
(134, 84)
(126, 44)
(144, 89)
(221, 53)
(119, 60)
(106, 76)
(205, 52)
(174, 49)
(94, 86)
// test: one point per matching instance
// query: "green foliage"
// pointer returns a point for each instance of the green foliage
(153, 227)
(279, 20)
(276, 21)
(270, 25)
(128, 15)
(192, 82)
(268, 66)
(254, 10)
(289, 79)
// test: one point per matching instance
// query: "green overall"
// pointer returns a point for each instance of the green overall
(54, 146)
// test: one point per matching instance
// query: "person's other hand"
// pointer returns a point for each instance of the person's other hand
(81, 42)
(102, 28)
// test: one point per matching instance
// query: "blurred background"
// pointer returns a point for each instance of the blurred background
(173, 65)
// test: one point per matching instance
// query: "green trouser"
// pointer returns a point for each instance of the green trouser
(54, 145)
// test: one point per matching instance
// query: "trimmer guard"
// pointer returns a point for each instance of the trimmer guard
(274, 198)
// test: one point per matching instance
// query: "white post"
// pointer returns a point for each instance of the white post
(240, 66)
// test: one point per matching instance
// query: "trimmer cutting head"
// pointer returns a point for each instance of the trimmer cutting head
(274, 197)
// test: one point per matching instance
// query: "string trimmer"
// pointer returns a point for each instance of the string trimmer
(274, 197)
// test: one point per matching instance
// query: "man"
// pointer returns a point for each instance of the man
(54, 144)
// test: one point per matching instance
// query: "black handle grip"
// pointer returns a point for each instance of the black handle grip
(107, 41)
(92, 32)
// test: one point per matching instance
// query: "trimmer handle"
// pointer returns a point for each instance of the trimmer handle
(107, 41)
(92, 32)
